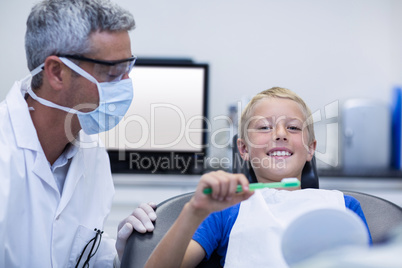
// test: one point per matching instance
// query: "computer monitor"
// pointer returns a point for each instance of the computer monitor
(164, 130)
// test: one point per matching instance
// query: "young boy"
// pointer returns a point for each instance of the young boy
(276, 136)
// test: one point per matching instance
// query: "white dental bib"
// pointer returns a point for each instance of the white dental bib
(255, 239)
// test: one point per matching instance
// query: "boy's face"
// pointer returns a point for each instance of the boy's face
(277, 145)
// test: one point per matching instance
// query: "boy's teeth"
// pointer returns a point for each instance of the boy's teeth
(280, 153)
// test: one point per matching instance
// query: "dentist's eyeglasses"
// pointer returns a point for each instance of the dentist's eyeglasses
(93, 246)
(107, 71)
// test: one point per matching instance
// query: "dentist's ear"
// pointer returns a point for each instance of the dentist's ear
(54, 71)
(242, 147)
(311, 150)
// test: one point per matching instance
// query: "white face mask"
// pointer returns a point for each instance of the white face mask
(114, 100)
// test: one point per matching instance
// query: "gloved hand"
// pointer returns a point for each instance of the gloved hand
(140, 220)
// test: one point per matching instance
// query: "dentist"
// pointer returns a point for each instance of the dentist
(56, 187)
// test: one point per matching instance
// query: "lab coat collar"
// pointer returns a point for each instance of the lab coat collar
(25, 132)
(69, 152)
(24, 129)
(42, 169)
(74, 175)
(27, 138)
(78, 167)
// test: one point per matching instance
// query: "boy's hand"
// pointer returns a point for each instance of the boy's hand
(223, 194)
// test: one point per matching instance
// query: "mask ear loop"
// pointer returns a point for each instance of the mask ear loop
(26, 81)
(51, 104)
(79, 70)
(73, 67)
(41, 100)
(83, 73)
(37, 70)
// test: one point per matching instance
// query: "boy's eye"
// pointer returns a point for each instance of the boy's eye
(265, 128)
(294, 128)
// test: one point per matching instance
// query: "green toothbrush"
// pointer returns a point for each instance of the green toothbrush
(285, 183)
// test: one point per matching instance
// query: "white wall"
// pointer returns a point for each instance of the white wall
(324, 50)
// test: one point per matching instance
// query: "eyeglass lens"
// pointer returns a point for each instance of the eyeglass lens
(112, 73)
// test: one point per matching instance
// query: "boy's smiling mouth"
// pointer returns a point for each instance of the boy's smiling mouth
(279, 152)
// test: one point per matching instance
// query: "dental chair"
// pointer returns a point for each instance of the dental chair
(140, 246)
(381, 215)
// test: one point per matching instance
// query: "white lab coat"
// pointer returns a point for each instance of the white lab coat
(38, 227)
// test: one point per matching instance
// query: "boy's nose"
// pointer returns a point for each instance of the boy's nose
(280, 133)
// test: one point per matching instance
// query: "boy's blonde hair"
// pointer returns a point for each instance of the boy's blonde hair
(276, 92)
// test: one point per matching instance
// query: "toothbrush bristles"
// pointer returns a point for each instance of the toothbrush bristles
(289, 180)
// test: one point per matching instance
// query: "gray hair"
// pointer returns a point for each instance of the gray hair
(63, 27)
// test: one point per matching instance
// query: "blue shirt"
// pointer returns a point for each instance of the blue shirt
(213, 233)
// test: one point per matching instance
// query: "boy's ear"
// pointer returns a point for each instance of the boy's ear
(242, 147)
(311, 150)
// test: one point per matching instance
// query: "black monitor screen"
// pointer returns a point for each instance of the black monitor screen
(164, 128)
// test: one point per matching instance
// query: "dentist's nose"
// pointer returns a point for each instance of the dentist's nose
(125, 76)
